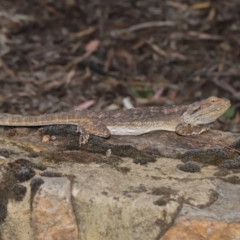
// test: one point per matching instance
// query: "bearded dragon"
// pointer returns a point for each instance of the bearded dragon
(183, 119)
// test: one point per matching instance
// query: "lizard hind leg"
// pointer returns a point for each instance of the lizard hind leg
(94, 127)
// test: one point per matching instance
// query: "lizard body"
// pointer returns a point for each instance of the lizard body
(183, 119)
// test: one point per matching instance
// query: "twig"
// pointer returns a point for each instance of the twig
(116, 33)
(224, 86)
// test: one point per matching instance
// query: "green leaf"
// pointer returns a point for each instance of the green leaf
(144, 92)
(134, 92)
(229, 113)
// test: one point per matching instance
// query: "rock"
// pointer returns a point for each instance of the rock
(109, 197)
(52, 213)
(214, 222)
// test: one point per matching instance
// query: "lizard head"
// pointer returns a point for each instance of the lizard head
(206, 111)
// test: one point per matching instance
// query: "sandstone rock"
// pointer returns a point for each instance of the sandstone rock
(52, 213)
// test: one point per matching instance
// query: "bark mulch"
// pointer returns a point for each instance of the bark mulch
(76, 54)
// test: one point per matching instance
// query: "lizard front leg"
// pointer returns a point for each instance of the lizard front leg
(93, 126)
(84, 135)
(188, 129)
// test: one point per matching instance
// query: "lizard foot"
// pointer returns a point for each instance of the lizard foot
(187, 129)
(83, 138)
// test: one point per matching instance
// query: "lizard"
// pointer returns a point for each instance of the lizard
(189, 119)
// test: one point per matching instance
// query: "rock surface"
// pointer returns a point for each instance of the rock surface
(91, 196)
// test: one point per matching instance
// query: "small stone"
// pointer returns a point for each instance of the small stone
(46, 138)
(108, 152)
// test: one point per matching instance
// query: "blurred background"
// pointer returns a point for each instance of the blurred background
(103, 55)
